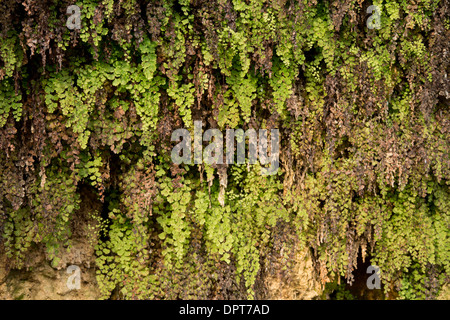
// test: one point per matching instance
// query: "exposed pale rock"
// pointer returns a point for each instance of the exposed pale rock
(302, 284)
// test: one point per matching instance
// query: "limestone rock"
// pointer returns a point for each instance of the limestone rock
(302, 284)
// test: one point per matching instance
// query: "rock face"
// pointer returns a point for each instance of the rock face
(301, 284)
(45, 283)
(445, 292)
(45, 278)
(40, 281)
